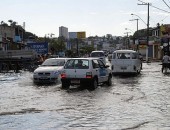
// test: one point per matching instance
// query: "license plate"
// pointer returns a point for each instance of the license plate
(123, 68)
(75, 81)
(43, 77)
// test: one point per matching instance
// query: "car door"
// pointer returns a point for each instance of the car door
(123, 62)
(103, 73)
(117, 63)
(81, 69)
(96, 69)
(69, 68)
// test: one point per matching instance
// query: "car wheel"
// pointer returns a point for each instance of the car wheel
(65, 85)
(94, 84)
(109, 81)
(138, 72)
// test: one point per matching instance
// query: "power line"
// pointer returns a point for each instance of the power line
(166, 3)
(155, 7)
(160, 9)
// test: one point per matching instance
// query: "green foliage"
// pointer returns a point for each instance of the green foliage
(58, 45)
(87, 49)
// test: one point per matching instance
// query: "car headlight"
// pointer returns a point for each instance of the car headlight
(35, 73)
(56, 72)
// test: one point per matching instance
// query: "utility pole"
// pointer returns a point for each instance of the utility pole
(77, 47)
(147, 40)
(127, 33)
(127, 42)
(147, 47)
(137, 36)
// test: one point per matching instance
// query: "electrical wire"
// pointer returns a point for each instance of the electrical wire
(160, 9)
(154, 7)
(166, 3)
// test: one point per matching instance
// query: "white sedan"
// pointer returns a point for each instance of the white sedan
(49, 71)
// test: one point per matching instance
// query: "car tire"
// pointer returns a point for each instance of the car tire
(94, 84)
(109, 81)
(65, 85)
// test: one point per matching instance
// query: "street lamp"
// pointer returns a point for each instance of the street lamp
(139, 18)
(129, 29)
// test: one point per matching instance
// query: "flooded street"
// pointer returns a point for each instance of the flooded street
(141, 102)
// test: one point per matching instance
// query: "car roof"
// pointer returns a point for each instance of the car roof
(124, 51)
(60, 58)
(89, 58)
(97, 51)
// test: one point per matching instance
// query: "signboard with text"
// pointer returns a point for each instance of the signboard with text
(81, 35)
(40, 48)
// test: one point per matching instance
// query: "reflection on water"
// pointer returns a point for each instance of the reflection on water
(137, 102)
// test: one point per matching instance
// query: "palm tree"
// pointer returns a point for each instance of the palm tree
(10, 21)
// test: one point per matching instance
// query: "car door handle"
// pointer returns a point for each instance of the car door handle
(96, 70)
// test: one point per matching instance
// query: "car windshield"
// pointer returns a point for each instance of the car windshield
(54, 62)
(77, 64)
(97, 54)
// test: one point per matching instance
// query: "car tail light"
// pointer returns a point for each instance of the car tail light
(112, 67)
(134, 68)
(63, 75)
(89, 75)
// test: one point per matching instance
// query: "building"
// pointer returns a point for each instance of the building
(11, 36)
(63, 32)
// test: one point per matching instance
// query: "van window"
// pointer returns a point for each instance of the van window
(114, 56)
(97, 54)
(134, 55)
(95, 64)
(123, 55)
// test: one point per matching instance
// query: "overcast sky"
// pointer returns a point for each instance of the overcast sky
(96, 17)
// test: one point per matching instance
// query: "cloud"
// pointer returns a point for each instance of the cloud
(93, 13)
(160, 13)
(125, 23)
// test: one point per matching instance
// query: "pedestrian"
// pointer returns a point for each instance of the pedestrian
(165, 62)
(39, 60)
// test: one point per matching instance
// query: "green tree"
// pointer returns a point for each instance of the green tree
(57, 45)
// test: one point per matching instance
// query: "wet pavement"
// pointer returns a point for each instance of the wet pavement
(137, 102)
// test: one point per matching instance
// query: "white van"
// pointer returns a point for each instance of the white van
(126, 61)
(99, 54)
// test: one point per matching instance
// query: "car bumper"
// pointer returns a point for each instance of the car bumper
(45, 80)
(77, 81)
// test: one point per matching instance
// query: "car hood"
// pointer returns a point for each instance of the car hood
(48, 69)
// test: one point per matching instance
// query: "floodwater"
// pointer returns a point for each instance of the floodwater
(141, 102)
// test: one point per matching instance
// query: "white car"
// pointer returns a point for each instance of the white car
(49, 71)
(87, 72)
(126, 62)
(99, 54)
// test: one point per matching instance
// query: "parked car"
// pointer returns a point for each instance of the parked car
(87, 72)
(99, 54)
(126, 61)
(49, 70)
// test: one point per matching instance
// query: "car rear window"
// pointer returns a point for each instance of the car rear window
(54, 62)
(123, 55)
(97, 54)
(77, 64)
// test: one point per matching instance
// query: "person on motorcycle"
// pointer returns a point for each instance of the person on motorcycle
(165, 62)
